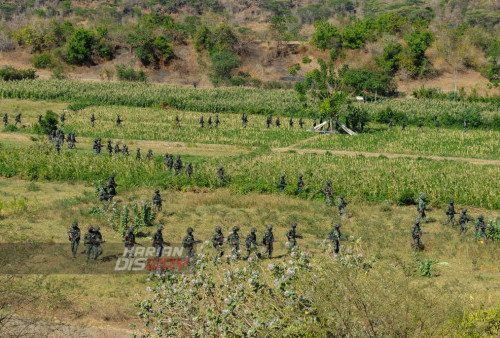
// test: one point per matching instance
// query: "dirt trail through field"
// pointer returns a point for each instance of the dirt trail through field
(228, 150)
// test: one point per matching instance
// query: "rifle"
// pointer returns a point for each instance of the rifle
(299, 236)
(198, 241)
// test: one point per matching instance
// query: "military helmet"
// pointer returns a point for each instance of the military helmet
(236, 228)
(301, 175)
(131, 229)
(283, 176)
(342, 196)
(157, 191)
(189, 230)
(294, 225)
(464, 210)
(113, 175)
(160, 227)
(97, 228)
(481, 217)
(451, 201)
(337, 225)
(328, 182)
(74, 224)
(218, 229)
(90, 228)
(253, 230)
(422, 196)
(269, 227)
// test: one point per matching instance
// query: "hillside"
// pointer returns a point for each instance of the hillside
(255, 43)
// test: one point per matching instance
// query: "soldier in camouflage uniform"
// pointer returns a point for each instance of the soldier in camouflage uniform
(117, 149)
(481, 228)
(217, 121)
(87, 241)
(74, 237)
(462, 221)
(125, 150)
(40, 117)
(118, 120)
(251, 243)
(244, 120)
(158, 241)
(209, 122)
(165, 160)
(58, 146)
(301, 123)
(149, 155)
(269, 121)
(188, 243)
(96, 243)
(416, 234)
(129, 240)
(220, 173)
(97, 146)
(282, 183)
(218, 242)
(202, 123)
(178, 165)
(465, 126)
(5, 120)
(290, 123)
(437, 124)
(391, 125)
(334, 237)
(63, 119)
(92, 119)
(170, 162)
(268, 240)
(177, 121)
(157, 200)
(328, 191)
(292, 236)
(112, 186)
(300, 183)
(138, 154)
(420, 125)
(234, 242)
(403, 127)
(104, 195)
(341, 204)
(450, 214)
(422, 207)
(278, 123)
(189, 170)
(109, 147)
(18, 119)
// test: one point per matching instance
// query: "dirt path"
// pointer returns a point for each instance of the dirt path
(228, 150)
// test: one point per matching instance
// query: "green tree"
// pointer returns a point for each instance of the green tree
(80, 46)
(49, 123)
(326, 36)
(390, 59)
(222, 65)
(493, 69)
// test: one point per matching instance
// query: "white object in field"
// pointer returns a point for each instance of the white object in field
(360, 98)
(347, 130)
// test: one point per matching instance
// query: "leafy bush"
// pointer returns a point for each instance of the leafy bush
(129, 74)
(222, 64)
(370, 81)
(306, 60)
(493, 229)
(9, 73)
(388, 114)
(10, 128)
(356, 118)
(294, 69)
(326, 36)
(43, 61)
(406, 197)
(80, 46)
(48, 124)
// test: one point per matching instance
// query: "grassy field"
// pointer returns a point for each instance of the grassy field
(449, 289)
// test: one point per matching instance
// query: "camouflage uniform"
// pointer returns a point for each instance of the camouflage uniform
(97, 146)
(422, 207)
(5, 120)
(278, 123)
(341, 204)
(465, 126)
(118, 120)
(165, 160)
(437, 124)
(201, 122)
(117, 149)
(328, 191)
(189, 170)
(63, 119)
(138, 154)
(234, 242)
(244, 120)
(125, 150)
(300, 183)
(87, 241)
(74, 237)
(58, 146)
(170, 162)
(188, 243)
(217, 121)
(450, 214)
(282, 183)
(301, 123)
(481, 228)
(462, 221)
(129, 240)
(416, 234)
(391, 124)
(334, 237)
(158, 241)
(403, 127)
(18, 119)
(112, 187)
(268, 241)
(109, 147)
(178, 165)
(290, 123)
(149, 155)
(40, 117)
(251, 243)
(292, 236)
(420, 124)
(96, 243)
(218, 242)
(92, 119)
(209, 122)
(157, 200)
(269, 121)
(220, 173)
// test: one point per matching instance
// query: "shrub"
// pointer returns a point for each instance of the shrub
(370, 81)
(9, 73)
(10, 128)
(388, 114)
(48, 123)
(306, 60)
(129, 74)
(222, 64)
(80, 46)
(43, 61)
(326, 36)
(406, 197)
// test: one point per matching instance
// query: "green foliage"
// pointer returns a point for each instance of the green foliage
(222, 65)
(406, 197)
(388, 114)
(129, 74)
(43, 61)
(221, 39)
(493, 69)
(306, 60)
(390, 60)
(149, 48)
(326, 36)
(493, 229)
(481, 323)
(80, 46)
(10, 128)
(9, 73)
(294, 69)
(356, 34)
(413, 59)
(356, 118)
(49, 123)
(361, 80)
(425, 267)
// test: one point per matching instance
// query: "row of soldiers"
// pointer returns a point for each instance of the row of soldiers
(480, 226)
(269, 122)
(168, 161)
(6, 119)
(92, 241)
(437, 124)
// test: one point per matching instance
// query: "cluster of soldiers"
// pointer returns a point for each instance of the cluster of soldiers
(92, 241)
(108, 191)
(269, 122)
(6, 119)
(168, 161)
(57, 138)
(210, 123)
(97, 146)
(463, 219)
(437, 125)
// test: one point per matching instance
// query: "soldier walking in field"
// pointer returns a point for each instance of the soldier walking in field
(149, 155)
(188, 243)
(125, 150)
(109, 147)
(92, 119)
(334, 237)
(217, 121)
(74, 237)
(218, 242)
(5, 120)
(129, 240)
(450, 214)
(416, 234)
(391, 125)
(269, 121)
(481, 228)
(209, 121)
(18, 119)
(465, 126)
(341, 205)
(177, 121)
(189, 170)
(97, 146)
(282, 183)
(158, 241)
(403, 127)
(178, 165)
(40, 118)
(170, 162)
(157, 200)
(117, 149)
(301, 123)
(96, 243)
(328, 191)
(118, 120)
(220, 173)
(300, 184)
(202, 122)
(268, 241)
(420, 125)
(244, 120)
(251, 243)
(292, 236)
(63, 119)
(422, 207)
(87, 241)
(437, 124)
(462, 221)
(290, 123)
(138, 154)
(234, 242)
(278, 123)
